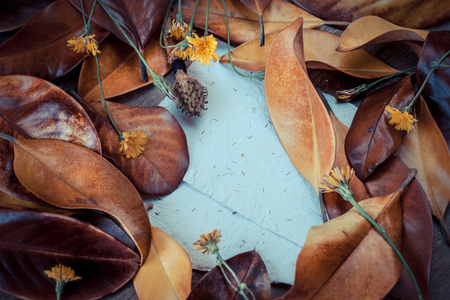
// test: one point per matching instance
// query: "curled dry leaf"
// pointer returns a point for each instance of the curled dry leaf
(409, 13)
(249, 268)
(298, 114)
(320, 53)
(81, 179)
(243, 22)
(161, 167)
(167, 271)
(425, 149)
(371, 139)
(34, 108)
(40, 47)
(119, 69)
(15, 13)
(374, 30)
(33, 242)
(349, 244)
(437, 90)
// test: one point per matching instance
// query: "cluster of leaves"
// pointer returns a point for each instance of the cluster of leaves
(74, 200)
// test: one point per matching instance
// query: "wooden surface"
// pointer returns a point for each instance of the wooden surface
(397, 55)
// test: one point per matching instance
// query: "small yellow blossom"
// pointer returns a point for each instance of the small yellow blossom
(401, 120)
(183, 54)
(132, 144)
(204, 49)
(84, 43)
(62, 275)
(178, 30)
(337, 179)
(208, 242)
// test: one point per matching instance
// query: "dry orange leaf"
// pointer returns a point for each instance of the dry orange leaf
(348, 258)
(243, 22)
(70, 176)
(167, 271)
(425, 149)
(120, 68)
(320, 53)
(374, 30)
(298, 114)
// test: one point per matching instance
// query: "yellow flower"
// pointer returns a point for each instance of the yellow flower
(401, 120)
(338, 179)
(84, 43)
(208, 242)
(62, 274)
(132, 144)
(178, 30)
(204, 48)
(183, 54)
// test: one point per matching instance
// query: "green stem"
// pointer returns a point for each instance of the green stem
(7, 137)
(88, 22)
(206, 18)
(260, 75)
(223, 262)
(59, 288)
(389, 77)
(191, 25)
(219, 263)
(433, 68)
(165, 20)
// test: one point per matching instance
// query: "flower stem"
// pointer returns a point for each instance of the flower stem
(206, 18)
(389, 77)
(59, 288)
(7, 137)
(165, 20)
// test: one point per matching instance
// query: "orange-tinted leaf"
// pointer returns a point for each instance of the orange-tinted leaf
(161, 167)
(300, 118)
(249, 268)
(371, 139)
(119, 69)
(426, 150)
(33, 242)
(349, 244)
(409, 13)
(40, 47)
(73, 177)
(15, 13)
(373, 30)
(167, 271)
(243, 22)
(320, 53)
(34, 108)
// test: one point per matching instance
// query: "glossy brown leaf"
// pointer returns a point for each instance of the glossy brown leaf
(298, 114)
(40, 47)
(320, 53)
(167, 271)
(425, 149)
(32, 242)
(371, 139)
(249, 268)
(409, 13)
(15, 13)
(417, 246)
(243, 22)
(34, 108)
(119, 69)
(161, 167)
(374, 30)
(437, 90)
(73, 177)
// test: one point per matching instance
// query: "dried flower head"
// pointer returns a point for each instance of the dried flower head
(62, 274)
(84, 43)
(208, 242)
(178, 30)
(183, 53)
(350, 94)
(401, 120)
(132, 144)
(191, 93)
(338, 181)
(204, 49)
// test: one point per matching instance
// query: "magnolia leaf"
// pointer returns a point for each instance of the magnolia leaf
(243, 22)
(371, 139)
(437, 89)
(374, 30)
(33, 242)
(299, 116)
(409, 13)
(81, 179)
(425, 149)
(40, 47)
(167, 271)
(161, 167)
(15, 13)
(320, 53)
(118, 65)
(249, 269)
(34, 108)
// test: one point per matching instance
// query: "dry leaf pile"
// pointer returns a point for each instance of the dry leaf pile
(68, 197)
